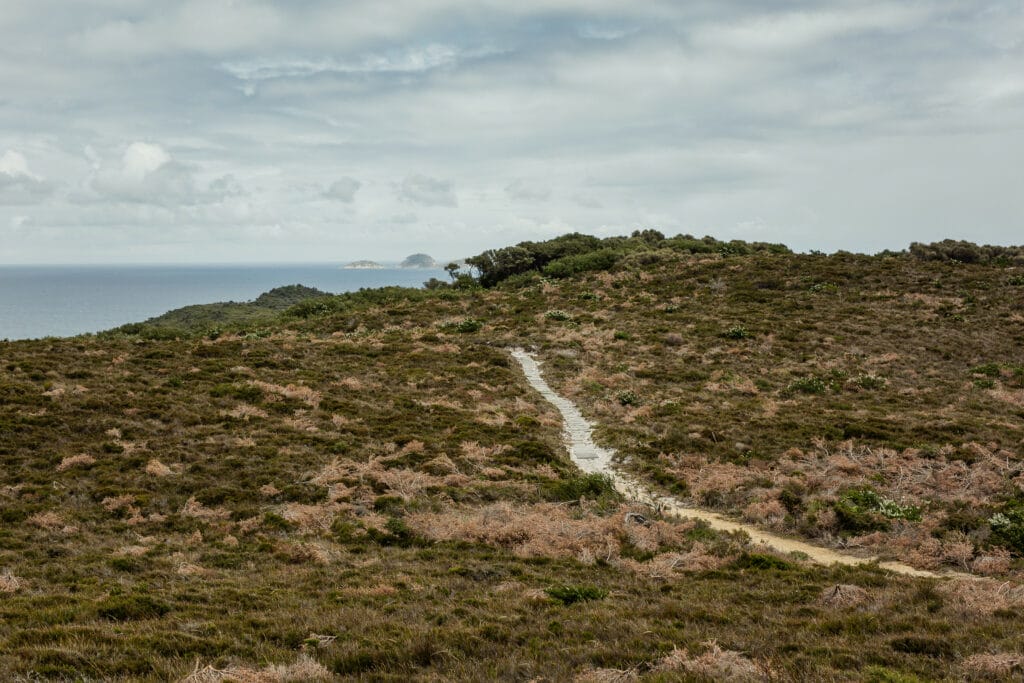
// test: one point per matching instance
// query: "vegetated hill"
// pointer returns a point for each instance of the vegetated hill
(419, 261)
(366, 486)
(210, 318)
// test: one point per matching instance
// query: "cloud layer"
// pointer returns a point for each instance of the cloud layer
(241, 130)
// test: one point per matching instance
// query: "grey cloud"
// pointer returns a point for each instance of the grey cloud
(421, 189)
(343, 190)
(734, 118)
(587, 201)
(527, 190)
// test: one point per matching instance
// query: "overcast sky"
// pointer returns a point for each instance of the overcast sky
(318, 130)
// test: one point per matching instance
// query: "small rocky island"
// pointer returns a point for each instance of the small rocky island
(363, 265)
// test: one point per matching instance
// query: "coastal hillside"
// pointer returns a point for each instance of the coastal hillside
(365, 486)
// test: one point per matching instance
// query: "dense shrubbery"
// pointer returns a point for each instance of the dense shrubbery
(967, 252)
(576, 253)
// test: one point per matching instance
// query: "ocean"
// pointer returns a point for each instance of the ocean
(61, 301)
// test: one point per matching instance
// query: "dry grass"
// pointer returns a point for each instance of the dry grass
(79, 460)
(157, 468)
(555, 530)
(305, 668)
(193, 508)
(982, 596)
(715, 664)
(307, 395)
(985, 667)
(245, 411)
(843, 596)
(49, 521)
(9, 583)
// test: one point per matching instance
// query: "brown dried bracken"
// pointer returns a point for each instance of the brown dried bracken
(843, 595)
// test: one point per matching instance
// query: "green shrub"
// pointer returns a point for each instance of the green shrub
(870, 382)
(242, 392)
(131, 607)
(628, 398)
(594, 486)
(272, 520)
(568, 595)
(760, 561)
(603, 259)
(920, 645)
(807, 385)
(823, 288)
(737, 332)
(986, 369)
(396, 533)
(387, 503)
(1008, 527)
(862, 510)
(880, 674)
(467, 326)
(557, 314)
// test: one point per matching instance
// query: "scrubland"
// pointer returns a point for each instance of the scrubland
(365, 486)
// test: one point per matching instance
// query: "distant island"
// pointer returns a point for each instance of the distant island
(424, 261)
(420, 261)
(363, 265)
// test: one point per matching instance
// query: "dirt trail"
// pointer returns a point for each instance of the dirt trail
(591, 458)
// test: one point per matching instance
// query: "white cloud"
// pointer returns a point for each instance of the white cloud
(147, 174)
(18, 184)
(343, 190)
(800, 29)
(14, 165)
(404, 61)
(421, 189)
(599, 32)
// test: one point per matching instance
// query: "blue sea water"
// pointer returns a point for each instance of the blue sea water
(60, 301)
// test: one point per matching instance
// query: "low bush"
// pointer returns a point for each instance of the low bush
(569, 595)
(131, 608)
(807, 385)
(737, 332)
(760, 561)
(1008, 527)
(594, 486)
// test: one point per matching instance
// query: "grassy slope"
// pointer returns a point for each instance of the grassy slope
(210, 318)
(376, 475)
(771, 386)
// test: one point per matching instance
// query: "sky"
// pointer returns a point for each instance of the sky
(333, 130)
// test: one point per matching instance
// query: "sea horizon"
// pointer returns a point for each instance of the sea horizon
(63, 300)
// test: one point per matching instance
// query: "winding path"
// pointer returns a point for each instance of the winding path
(591, 458)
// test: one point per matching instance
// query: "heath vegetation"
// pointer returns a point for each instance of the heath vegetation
(364, 486)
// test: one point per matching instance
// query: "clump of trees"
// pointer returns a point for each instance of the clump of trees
(577, 253)
(961, 251)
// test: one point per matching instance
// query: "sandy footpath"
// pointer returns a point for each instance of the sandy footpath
(591, 458)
